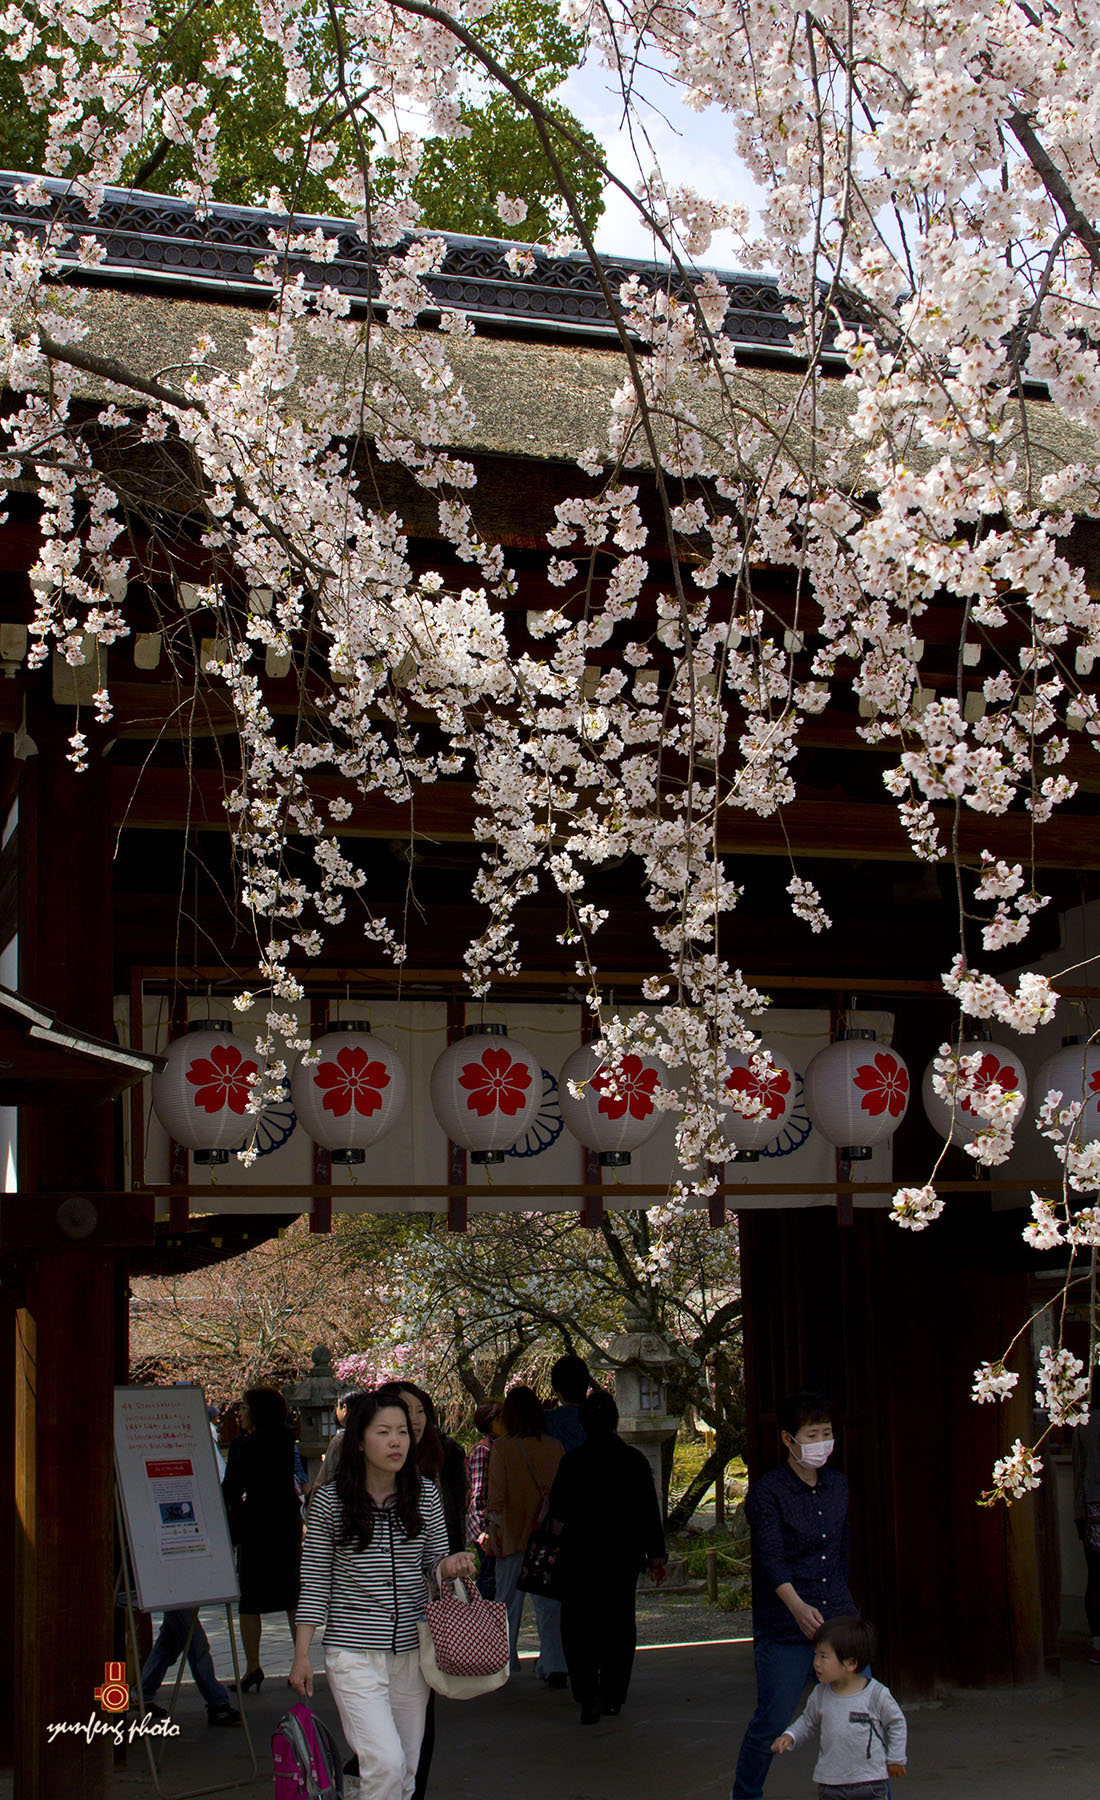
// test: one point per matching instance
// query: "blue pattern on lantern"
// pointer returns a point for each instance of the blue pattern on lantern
(796, 1127)
(273, 1127)
(546, 1126)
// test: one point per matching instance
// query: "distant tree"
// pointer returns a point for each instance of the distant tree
(264, 142)
(514, 1290)
(459, 178)
(259, 132)
(255, 1317)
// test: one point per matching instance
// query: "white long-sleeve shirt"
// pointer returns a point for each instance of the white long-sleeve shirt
(860, 1733)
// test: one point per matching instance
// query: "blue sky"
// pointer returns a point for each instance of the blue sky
(695, 149)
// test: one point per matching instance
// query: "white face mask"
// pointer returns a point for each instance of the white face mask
(814, 1456)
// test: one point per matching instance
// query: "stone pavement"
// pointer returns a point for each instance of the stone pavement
(677, 1738)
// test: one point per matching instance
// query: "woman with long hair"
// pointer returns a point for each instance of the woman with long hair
(265, 1519)
(374, 1537)
(441, 1460)
(522, 1466)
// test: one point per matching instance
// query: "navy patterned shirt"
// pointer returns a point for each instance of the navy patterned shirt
(800, 1535)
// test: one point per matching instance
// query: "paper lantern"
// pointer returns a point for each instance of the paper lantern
(201, 1095)
(1074, 1072)
(615, 1111)
(778, 1091)
(857, 1093)
(352, 1095)
(958, 1120)
(486, 1091)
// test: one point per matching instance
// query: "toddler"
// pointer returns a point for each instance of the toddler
(862, 1726)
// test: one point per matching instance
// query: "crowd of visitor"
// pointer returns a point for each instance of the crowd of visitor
(397, 1504)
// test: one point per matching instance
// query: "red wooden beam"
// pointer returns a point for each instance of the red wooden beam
(458, 1204)
(179, 1168)
(592, 1212)
(320, 1217)
(161, 799)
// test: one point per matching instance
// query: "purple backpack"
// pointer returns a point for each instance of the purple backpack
(307, 1766)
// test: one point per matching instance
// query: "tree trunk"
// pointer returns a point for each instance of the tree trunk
(728, 1443)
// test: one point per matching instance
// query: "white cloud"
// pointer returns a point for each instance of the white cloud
(692, 149)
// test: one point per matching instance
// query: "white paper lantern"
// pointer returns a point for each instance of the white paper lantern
(857, 1093)
(959, 1121)
(201, 1095)
(777, 1089)
(1074, 1072)
(486, 1090)
(615, 1111)
(352, 1095)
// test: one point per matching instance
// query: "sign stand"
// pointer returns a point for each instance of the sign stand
(173, 1533)
(126, 1580)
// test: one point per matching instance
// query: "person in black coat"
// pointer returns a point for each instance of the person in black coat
(265, 1519)
(604, 1500)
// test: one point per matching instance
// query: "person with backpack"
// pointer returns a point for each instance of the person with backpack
(375, 1535)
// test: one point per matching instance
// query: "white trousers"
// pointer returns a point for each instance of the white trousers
(381, 1699)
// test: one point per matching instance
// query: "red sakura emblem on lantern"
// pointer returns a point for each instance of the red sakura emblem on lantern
(1094, 1085)
(772, 1088)
(991, 1071)
(632, 1086)
(495, 1083)
(354, 1079)
(885, 1085)
(222, 1079)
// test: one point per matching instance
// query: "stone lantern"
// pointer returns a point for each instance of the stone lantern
(314, 1400)
(640, 1365)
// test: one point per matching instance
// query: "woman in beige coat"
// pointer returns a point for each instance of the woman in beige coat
(522, 1466)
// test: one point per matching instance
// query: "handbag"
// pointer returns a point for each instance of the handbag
(1092, 1524)
(463, 1642)
(539, 1573)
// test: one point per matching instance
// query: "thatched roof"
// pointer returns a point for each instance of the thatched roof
(546, 401)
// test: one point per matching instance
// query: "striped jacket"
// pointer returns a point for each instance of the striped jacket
(369, 1599)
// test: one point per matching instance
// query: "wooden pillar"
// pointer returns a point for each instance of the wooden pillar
(64, 1487)
(9, 1660)
(892, 1325)
(66, 1323)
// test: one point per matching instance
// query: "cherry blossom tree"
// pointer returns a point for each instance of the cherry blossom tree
(502, 1300)
(254, 1317)
(928, 202)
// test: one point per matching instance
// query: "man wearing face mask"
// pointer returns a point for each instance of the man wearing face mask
(798, 1516)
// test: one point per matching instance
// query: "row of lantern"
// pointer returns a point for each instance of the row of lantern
(486, 1091)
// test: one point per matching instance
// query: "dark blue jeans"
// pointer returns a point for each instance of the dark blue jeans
(782, 1671)
(170, 1641)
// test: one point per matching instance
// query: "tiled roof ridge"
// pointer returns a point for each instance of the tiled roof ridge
(162, 239)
